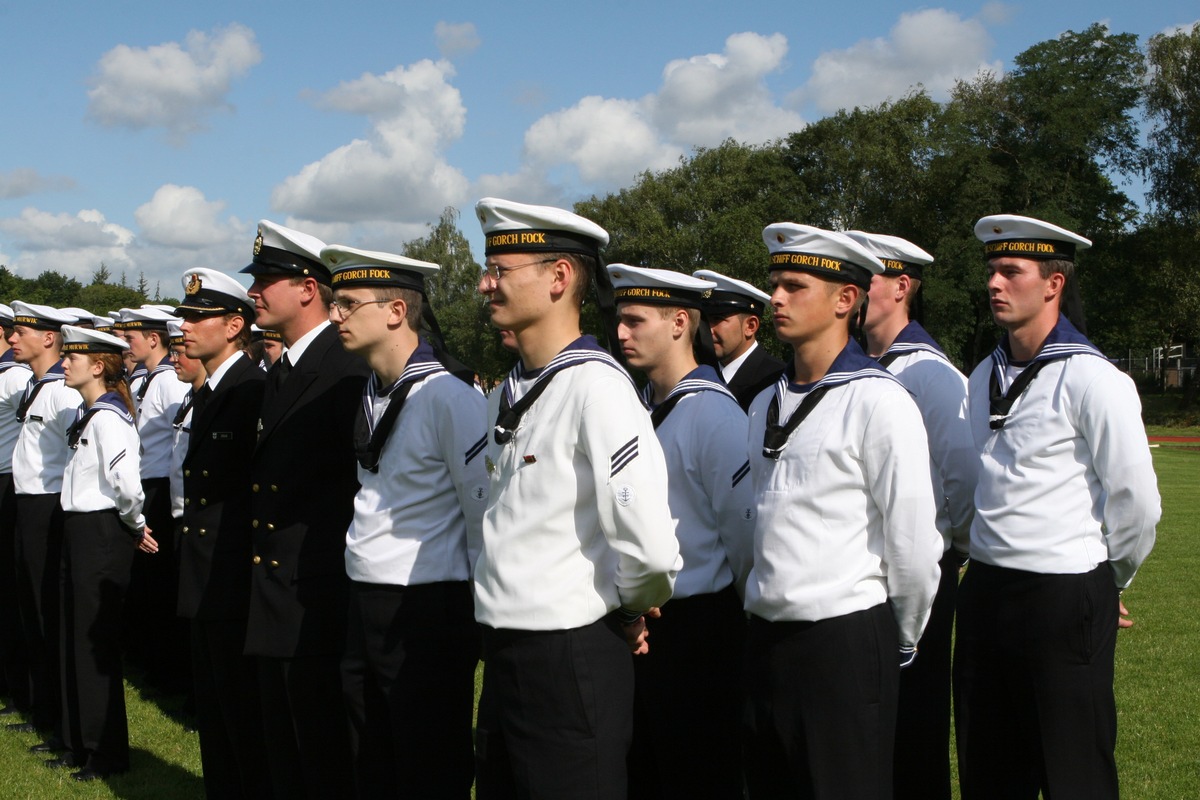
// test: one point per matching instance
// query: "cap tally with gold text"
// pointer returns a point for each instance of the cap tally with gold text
(87, 340)
(39, 317)
(828, 254)
(658, 287)
(1013, 236)
(351, 267)
(731, 296)
(899, 256)
(510, 227)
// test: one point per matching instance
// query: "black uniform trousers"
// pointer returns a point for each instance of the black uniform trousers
(409, 680)
(556, 714)
(39, 553)
(688, 704)
(97, 555)
(1033, 684)
(821, 715)
(153, 628)
(228, 712)
(922, 761)
(303, 711)
(14, 665)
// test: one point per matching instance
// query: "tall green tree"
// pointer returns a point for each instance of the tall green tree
(1173, 109)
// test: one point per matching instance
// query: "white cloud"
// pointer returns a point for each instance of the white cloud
(932, 47)
(455, 38)
(398, 172)
(1183, 27)
(702, 101)
(181, 217)
(71, 244)
(24, 181)
(997, 13)
(171, 86)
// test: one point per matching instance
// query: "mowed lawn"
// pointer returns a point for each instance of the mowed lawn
(1158, 683)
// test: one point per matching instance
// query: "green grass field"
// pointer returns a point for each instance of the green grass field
(1158, 683)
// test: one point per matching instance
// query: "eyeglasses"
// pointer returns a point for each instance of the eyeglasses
(496, 273)
(343, 308)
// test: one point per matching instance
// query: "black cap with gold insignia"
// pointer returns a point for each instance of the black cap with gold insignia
(207, 291)
(279, 250)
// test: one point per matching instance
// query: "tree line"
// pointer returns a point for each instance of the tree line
(1063, 136)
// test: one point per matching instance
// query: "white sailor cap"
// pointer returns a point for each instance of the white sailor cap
(279, 250)
(86, 340)
(175, 331)
(1024, 237)
(6, 314)
(829, 254)
(142, 319)
(510, 227)
(899, 256)
(104, 323)
(732, 296)
(39, 317)
(82, 315)
(352, 267)
(207, 291)
(658, 287)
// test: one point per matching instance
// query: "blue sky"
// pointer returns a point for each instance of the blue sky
(153, 136)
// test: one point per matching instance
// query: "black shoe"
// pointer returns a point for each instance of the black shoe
(65, 761)
(48, 746)
(21, 727)
(92, 774)
(8, 711)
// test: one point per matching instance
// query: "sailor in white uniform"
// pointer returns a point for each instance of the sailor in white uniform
(46, 410)
(905, 349)
(687, 711)
(14, 667)
(408, 673)
(103, 525)
(846, 548)
(1066, 508)
(577, 543)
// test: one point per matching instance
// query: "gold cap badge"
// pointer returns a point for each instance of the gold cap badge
(193, 284)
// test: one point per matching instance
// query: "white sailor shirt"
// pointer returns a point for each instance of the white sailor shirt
(155, 416)
(846, 513)
(940, 392)
(1067, 483)
(40, 455)
(709, 490)
(180, 436)
(577, 524)
(417, 519)
(14, 377)
(103, 471)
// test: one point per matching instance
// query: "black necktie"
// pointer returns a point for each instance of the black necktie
(281, 372)
(199, 401)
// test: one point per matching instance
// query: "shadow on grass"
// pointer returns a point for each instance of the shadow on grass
(151, 778)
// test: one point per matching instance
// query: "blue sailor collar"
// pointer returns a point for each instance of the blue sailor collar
(420, 365)
(913, 338)
(110, 401)
(7, 357)
(55, 373)
(1064, 340)
(702, 379)
(850, 365)
(581, 351)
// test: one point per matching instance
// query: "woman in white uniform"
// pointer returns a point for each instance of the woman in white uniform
(102, 527)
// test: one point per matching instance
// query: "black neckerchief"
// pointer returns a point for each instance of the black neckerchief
(35, 386)
(851, 364)
(184, 407)
(580, 351)
(141, 392)
(703, 378)
(370, 435)
(109, 401)
(1064, 341)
